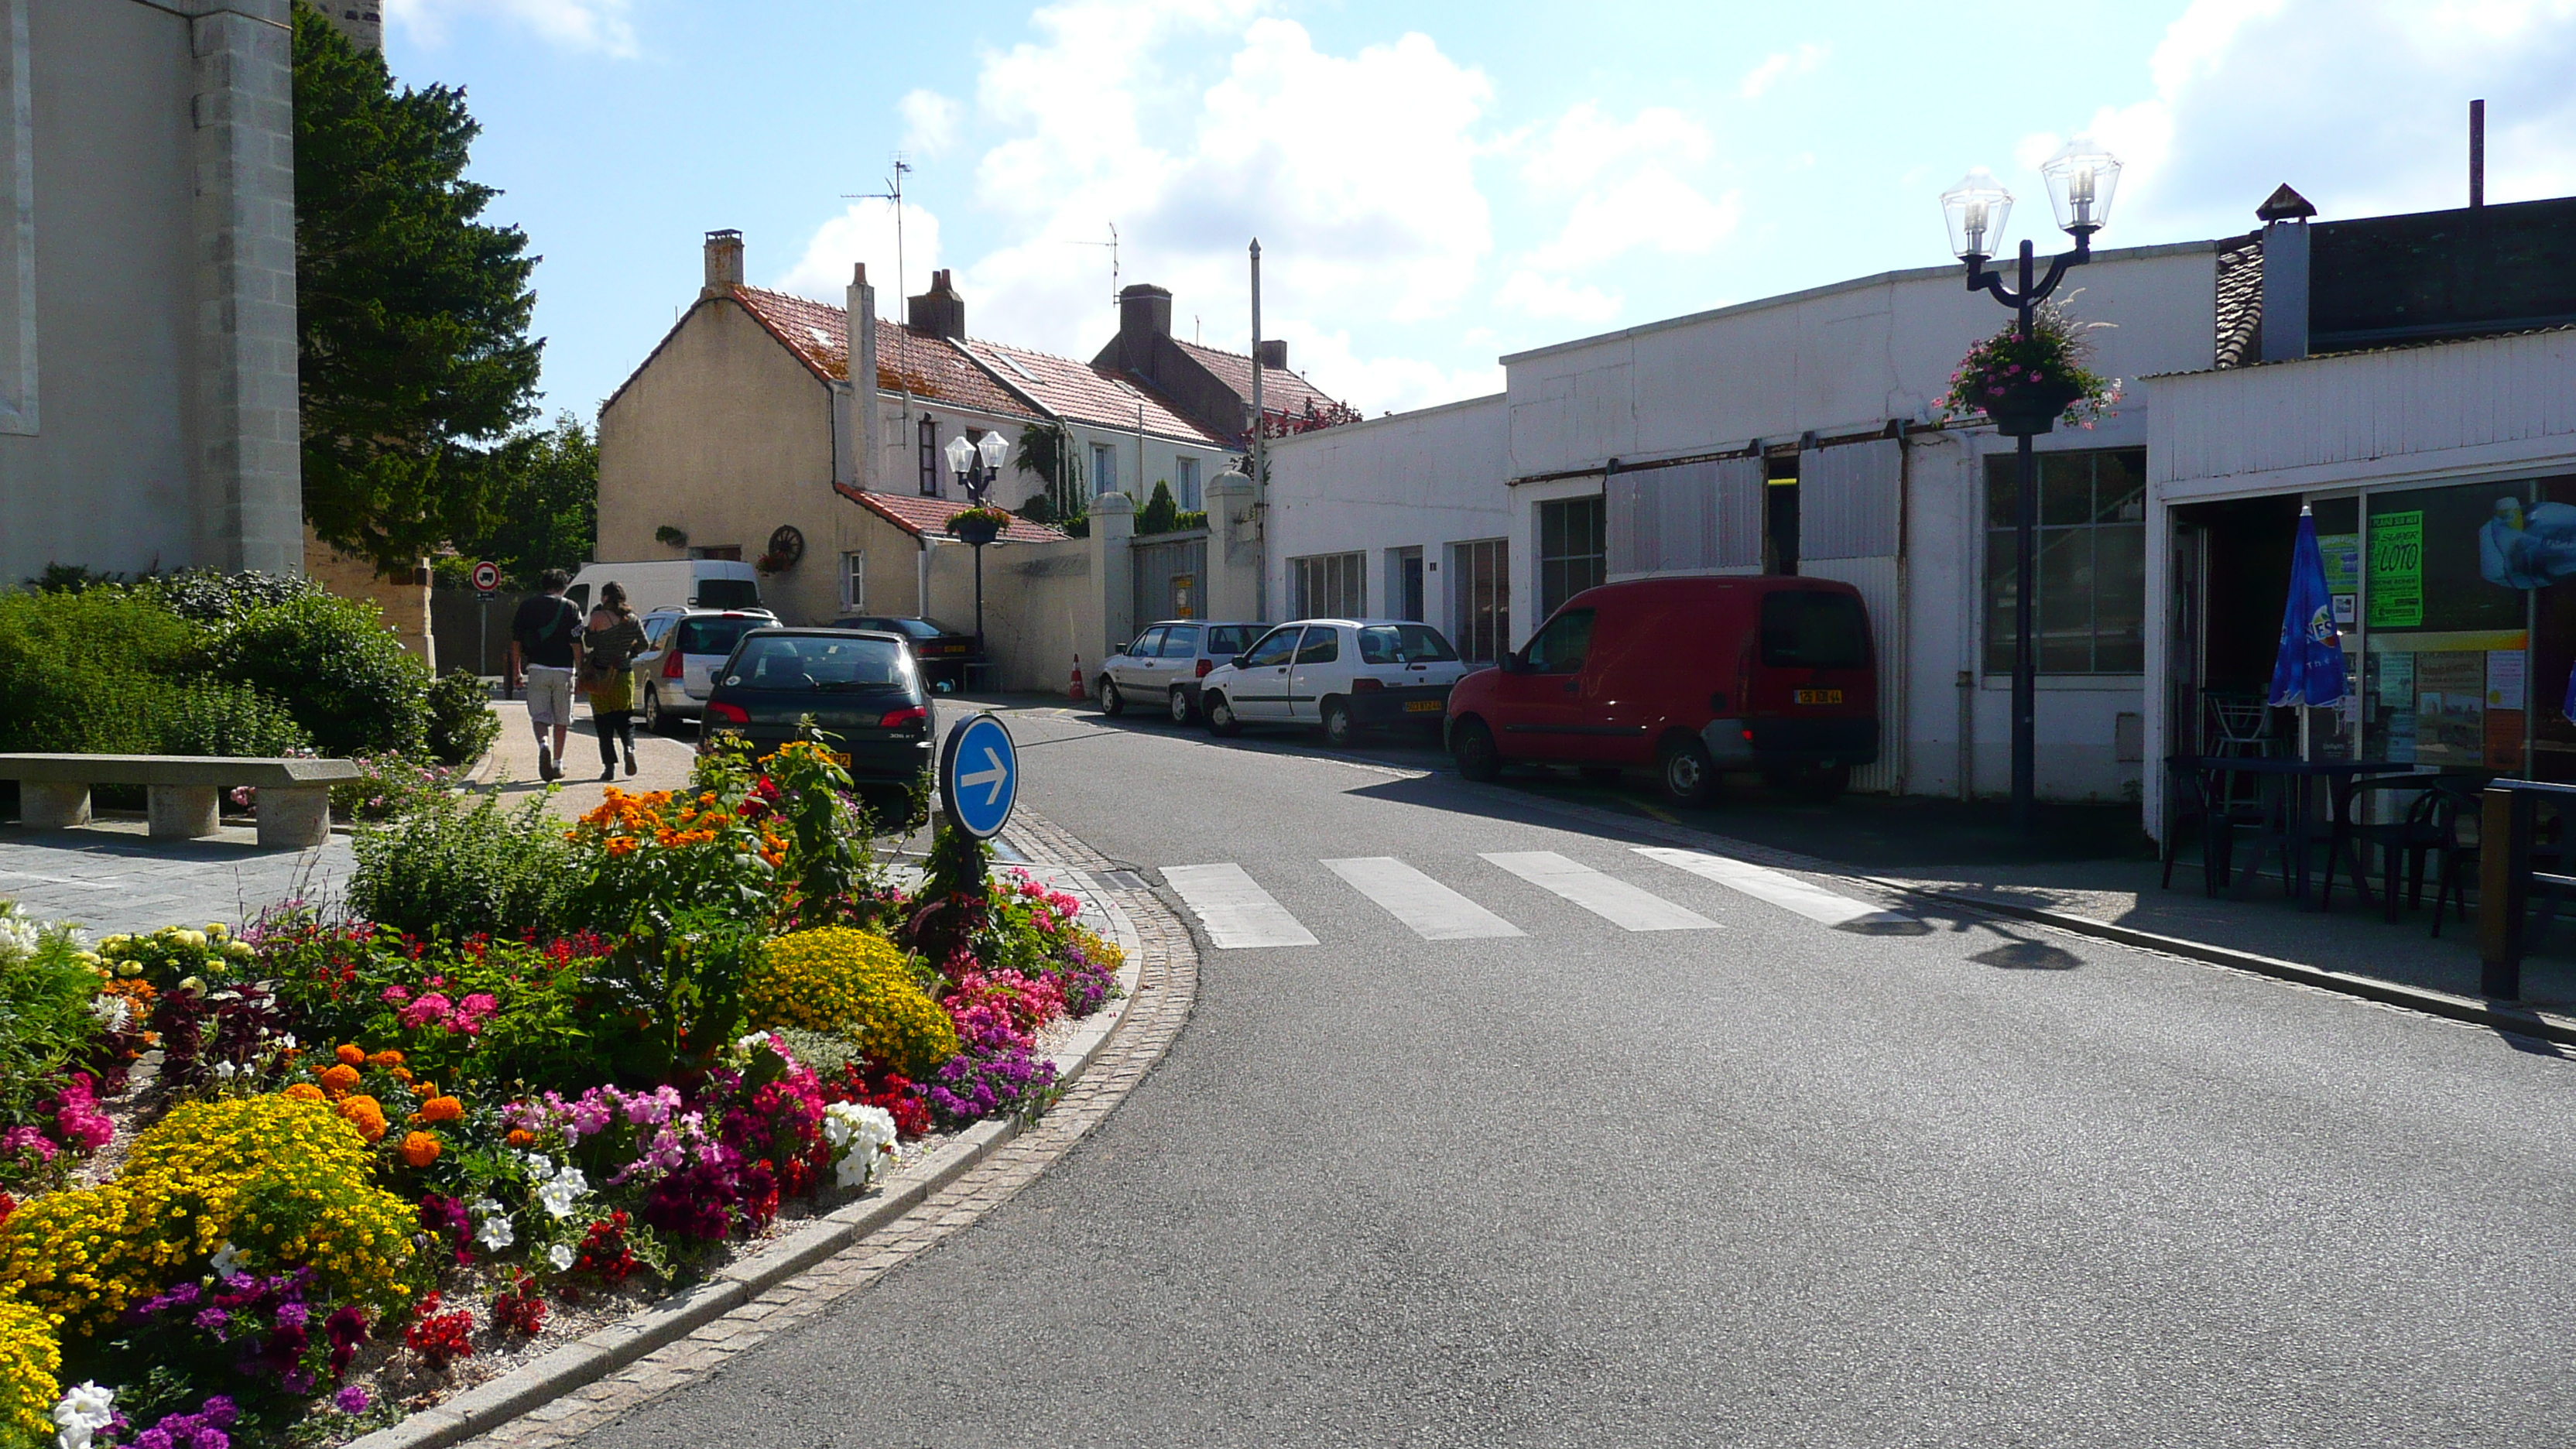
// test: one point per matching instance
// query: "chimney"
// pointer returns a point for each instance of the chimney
(2284, 215)
(1274, 353)
(859, 429)
(1144, 313)
(724, 262)
(939, 311)
(362, 21)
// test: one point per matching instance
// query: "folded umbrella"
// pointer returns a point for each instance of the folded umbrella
(2309, 668)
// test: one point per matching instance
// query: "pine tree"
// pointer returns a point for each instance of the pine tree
(1160, 514)
(414, 354)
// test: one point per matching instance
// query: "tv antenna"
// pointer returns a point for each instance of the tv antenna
(903, 377)
(1112, 244)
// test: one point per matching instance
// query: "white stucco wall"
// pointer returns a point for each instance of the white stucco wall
(1423, 480)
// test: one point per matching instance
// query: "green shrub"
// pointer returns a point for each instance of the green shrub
(88, 671)
(451, 869)
(210, 596)
(335, 665)
(217, 717)
(45, 1019)
(461, 723)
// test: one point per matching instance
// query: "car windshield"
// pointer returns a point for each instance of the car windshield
(1225, 640)
(913, 628)
(1403, 644)
(1812, 629)
(815, 662)
(728, 594)
(715, 635)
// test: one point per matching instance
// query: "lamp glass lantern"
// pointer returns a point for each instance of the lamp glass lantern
(995, 449)
(961, 455)
(2081, 179)
(1976, 210)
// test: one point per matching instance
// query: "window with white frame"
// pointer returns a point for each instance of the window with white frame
(1185, 478)
(2091, 602)
(854, 581)
(1104, 468)
(1329, 586)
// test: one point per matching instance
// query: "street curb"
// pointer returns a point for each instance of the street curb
(495, 1402)
(2521, 1021)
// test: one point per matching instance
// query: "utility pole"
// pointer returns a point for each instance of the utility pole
(1260, 454)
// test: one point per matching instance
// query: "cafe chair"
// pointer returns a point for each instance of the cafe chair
(2405, 842)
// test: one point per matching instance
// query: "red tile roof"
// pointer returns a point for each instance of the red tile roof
(930, 366)
(1097, 396)
(917, 515)
(1282, 391)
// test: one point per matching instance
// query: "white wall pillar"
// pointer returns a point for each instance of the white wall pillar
(1113, 524)
(1232, 589)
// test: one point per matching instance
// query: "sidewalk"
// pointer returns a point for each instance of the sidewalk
(111, 877)
(512, 768)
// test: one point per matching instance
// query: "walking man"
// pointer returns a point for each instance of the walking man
(547, 629)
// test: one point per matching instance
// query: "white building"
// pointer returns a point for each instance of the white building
(1402, 517)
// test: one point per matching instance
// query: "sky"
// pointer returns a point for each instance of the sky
(1433, 185)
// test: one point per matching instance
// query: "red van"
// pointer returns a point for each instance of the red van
(1694, 677)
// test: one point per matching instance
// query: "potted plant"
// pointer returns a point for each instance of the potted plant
(2029, 384)
(978, 526)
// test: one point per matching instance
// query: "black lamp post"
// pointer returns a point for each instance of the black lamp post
(977, 481)
(2081, 178)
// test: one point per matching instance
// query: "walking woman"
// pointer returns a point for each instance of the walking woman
(609, 647)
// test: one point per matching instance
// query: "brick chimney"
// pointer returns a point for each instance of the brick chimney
(939, 311)
(858, 431)
(1274, 353)
(1144, 313)
(724, 262)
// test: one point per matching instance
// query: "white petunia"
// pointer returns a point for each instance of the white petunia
(83, 1412)
(492, 1226)
(560, 1256)
(228, 1261)
(112, 1011)
(560, 1194)
(866, 1137)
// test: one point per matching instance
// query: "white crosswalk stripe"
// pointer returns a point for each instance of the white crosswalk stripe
(1235, 909)
(1608, 897)
(1432, 910)
(1782, 889)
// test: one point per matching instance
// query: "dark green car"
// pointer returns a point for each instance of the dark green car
(860, 686)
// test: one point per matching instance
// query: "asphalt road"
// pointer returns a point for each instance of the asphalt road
(1759, 1182)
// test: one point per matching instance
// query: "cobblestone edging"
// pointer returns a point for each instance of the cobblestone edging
(585, 1384)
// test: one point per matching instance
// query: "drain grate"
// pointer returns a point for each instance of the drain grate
(1119, 880)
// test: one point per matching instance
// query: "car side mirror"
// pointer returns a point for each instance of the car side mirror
(1121, 646)
(1235, 663)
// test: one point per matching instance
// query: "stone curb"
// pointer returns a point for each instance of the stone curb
(2474, 1011)
(496, 1401)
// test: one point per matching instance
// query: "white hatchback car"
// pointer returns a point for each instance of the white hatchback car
(1339, 675)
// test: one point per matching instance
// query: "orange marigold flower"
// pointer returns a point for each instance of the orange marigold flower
(441, 1109)
(340, 1080)
(366, 1114)
(387, 1058)
(521, 1137)
(621, 845)
(419, 1149)
(350, 1055)
(402, 1074)
(303, 1092)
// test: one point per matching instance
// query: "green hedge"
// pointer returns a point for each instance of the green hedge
(335, 666)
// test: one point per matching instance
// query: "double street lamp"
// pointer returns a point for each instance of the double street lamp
(2081, 178)
(977, 481)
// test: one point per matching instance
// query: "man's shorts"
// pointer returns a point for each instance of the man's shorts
(549, 695)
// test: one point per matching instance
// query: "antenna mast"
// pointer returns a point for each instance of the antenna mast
(1112, 244)
(903, 379)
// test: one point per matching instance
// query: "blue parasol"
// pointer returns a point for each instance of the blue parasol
(2309, 669)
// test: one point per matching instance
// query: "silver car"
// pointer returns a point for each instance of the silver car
(682, 648)
(1161, 668)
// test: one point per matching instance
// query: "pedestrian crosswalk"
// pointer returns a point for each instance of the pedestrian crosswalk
(1239, 912)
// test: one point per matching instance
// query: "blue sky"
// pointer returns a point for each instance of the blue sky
(1434, 185)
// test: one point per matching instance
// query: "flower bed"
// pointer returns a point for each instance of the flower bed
(367, 1163)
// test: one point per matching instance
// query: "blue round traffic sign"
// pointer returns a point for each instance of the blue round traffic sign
(979, 776)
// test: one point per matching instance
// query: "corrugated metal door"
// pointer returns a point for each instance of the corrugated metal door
(1692, 518)
(1170, 575)
(1850, 501)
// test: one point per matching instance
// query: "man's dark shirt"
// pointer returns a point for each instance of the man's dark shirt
(544, 628)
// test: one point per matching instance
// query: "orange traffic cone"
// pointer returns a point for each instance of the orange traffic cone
(1073, 689)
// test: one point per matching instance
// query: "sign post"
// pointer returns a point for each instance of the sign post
(979, 776)
(487, 577)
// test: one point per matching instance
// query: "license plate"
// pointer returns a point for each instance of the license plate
(1422, 706)
(1820, 696)
(841, 760)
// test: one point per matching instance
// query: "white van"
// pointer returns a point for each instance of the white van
(672, 583)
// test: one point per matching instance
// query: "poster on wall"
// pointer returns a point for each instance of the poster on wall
(2342, 554)
(2527, 547)
(2505, 679)
(2451, 708)
(2397, 569)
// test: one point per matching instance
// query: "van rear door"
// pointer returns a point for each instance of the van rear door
(1815, 684)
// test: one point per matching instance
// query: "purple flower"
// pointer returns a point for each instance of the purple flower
(351, 1400)
(219, 1411)
(214, 1321)
(292, 1314)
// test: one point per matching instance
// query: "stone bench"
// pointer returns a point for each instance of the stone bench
(183, 793)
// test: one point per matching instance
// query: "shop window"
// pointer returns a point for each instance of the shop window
(1329, 586)
(1572, 550)
(2092, 585)
(1481, 608)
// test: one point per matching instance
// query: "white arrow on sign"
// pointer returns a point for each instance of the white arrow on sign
(995, 777)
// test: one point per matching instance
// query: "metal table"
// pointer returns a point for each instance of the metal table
(2290, 821)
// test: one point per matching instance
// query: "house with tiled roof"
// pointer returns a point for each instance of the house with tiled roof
(1212, 386)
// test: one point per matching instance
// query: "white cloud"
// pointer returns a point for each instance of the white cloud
(592, 25)
(1555, 298)
(929, 122)
(1624, 191)
(1584, 144)
(1778, 66)
(1386, 384)
(1649, 209)
(865, 232)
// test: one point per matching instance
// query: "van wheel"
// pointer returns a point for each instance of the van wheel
(1472, 746)
(1219, 716)
(1112, 703)
(1685, 772)
(1816, 784)
(656, 719)
(1338, 729)
(1180, 706)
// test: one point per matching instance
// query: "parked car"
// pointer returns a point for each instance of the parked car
(672, 583)
(1692, 677)
(682, 648)
(943, 652)
(860, 686)
(1161, 668)
(1339, 675)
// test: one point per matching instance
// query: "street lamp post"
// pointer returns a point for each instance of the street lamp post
(2081, 178)
(977, 481)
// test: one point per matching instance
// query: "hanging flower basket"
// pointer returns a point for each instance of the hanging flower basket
(2028, 385)
(978, 526)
